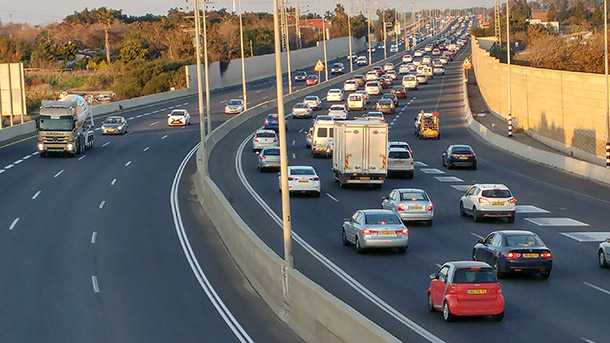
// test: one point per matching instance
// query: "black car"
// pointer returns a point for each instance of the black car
(271, 122)
(459, 156)
(300, 76)
(390, 96)
(337, 68)
(514, 251)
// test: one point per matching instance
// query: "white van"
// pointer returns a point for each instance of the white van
(409, 81)
(322, 138)
(356, 102)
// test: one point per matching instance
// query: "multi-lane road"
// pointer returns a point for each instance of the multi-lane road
(571, 306)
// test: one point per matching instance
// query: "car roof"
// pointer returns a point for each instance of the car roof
(301, 167)
(398, 150)
(116, 117)
(412, 190)
(460, 146)
(312, 97)
(334, 90)
(491, 186)
(377, 211)
(179, 110)
(264, 131)
(514, 232)
(397, 143)
(468, 264)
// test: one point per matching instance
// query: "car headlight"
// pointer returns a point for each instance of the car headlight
(40, 147)
(70, 146)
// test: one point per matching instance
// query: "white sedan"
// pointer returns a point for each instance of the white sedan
(338, 112)
(179, 118)
(334, 94)
(234, 106)
(303, 179)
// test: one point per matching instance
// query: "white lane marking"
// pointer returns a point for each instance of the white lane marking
(35, 195)
(154, 123)
(357, 286)
(448, 179)
(93, 237)
(98, 128)
(586, 340)
(2, 171)
(294, 142)
(102, 204)
(58, 173)
(587, 236)
(603, 290)
(139, 116)
(205, 284)
(530, 209)
(13, 224)
(105, 144)
(300, 130)
(130, 118)
(431, 171)
(9, 166)
(80, 158)
(164, 136)
(18, 161)
(332, 197)
(556, 222)
(26, 157)
(113, 182)
(35, 153)
(128, 164)
(147, 148)
(461, 188)
(96, 287)
(294, 156)
(420, 164)
(163, 109)
(476, 235)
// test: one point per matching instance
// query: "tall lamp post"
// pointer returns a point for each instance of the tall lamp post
(198, 68)
(205, 68)
(349, 39)
(243, 62)
(368, 28)
(324, 38)
(286, 225)
(509, 108)
(385, 37)
(606, 77)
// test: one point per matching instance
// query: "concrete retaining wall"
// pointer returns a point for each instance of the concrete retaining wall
(263, 66)
(568, 164)
(563, 109)
(17, 130)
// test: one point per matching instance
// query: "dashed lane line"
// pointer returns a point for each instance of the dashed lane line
(102, 204)
(93, 237)
(164, 136)
(13, 224)
(154, 123)
(332, 197)
(147, 148)
(96, 287)
(35, 195)
(80, 158)
(128, 164)
(113, 182)
(58, 173)
(105, 144)
(603, 290)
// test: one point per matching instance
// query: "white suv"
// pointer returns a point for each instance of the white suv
(488, 200)
(334, 94)
(400, 162)
(303, 179)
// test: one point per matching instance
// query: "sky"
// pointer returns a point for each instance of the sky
(44, 12)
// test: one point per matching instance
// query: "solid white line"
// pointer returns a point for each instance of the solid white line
(113, 182)
(80, 158)
(607, 292)
(476, 235)
(96, 287)
(93, 237)
(130, 118)
(13, 224)
(35, 153)
(18, 161)
(356, 285)
(59, 173)
(9, 166)
(128, 164)
(586, 340)
(294, 142)
(97, 128)
(102, 204)
(164, 136)
(146, 149)
(205, 284)
(105, 144)
(332, 197)
(154, 123)
(35, 195)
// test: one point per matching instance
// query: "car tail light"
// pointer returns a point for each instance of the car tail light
(483, 200)
(266, 122)
(256, 140)
(315, 178)
(513, 200)
(404, 231)
(451, 289)
(547, 255)
(512, 255)
(402, 207)
(430, 207)
(369, 232)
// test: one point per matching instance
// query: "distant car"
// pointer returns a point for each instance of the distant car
(514, 251)
(303, 179)
(488, 200)
(388, 66)
(264, 139)
(337, 68)
(603, 254)
(407, 59)
(421, 79)
(356, 102)
(436, 52)
(400, 163)
(385, 82)
(400, 92)
(364, 94)
(311, 80)
(418, 53)
(234, 106)
(409, 81)
(269, 158)
(272, 122)
(300, 75)
(350, 86)
(360, 79)
(375, 229)
(114, 125)
(338, 112)
(374, 116)
(302, 110)
(411, 204)
(393, 48)
(459, 155)
(313, 102)
(373, 88)
(362, 61)
(391, 96)
(466, 288)
(179, 118)
(403, 69)
(391, 74)
(444, 60)
(334, 95)
(438, 71)
(372, 75)
(400, 144)
(426, 60)
(385, 106)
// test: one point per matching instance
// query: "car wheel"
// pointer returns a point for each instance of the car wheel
(602, 259)
(344, 238)
(410, 174)
(449, 166)
(462, 212)
(511, 219)
(430, 304)
(429, 222)
(545, 274)
(316, 194)
(43, 154)
(499, 317)
(447, 316)
(443, 162)
(402, 250)
(474, 166)
(475, 215)
(359, 248)
(499, 273)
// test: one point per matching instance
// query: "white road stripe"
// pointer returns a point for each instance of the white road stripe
(587, 236)
(147, 148)
(128, 164)
(96, 287)
(35, 153)
(130, 118)
(113, 182)
(9, 166)
(154, 123)
(164, 136)
(294, 156)
(605, 291)
(93, 237)
(105, 144)
(586, 340)
(139, 116)
(294, 142)
(332, 197)
(18, 161)
(26, 157)
(80, 158)
(97, 129)
(2, 171)
(556, 222)
(102, 204)
(448, 179)
(13, 224)
(35, 195)
(58, 173)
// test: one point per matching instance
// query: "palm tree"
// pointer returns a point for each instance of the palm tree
(106, 18)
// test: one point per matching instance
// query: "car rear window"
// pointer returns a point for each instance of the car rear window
(523, 241)
(381, 219)
(311, 98)
(271, 152)
(413, 196)
(301, 171)
(496, 193)
(265, 135)
(461, 150)
(337, 108)
(475, 275)
(355, 97)
(399, 154)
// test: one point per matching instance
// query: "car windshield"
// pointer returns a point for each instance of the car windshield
(461, 150)
(234, 102)
(178, 113)
(113, 121)
(381, 219)
(337, 108)
(523, 241)
(301, 106)
(413, 196)
(265, 135)
(311, 98)
(46, 123)
(496, 193)
(271, 152)
(475, 275)
(399, 154)
(302, 171)
(355, 97)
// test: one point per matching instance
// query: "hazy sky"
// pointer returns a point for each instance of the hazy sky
(39, 11)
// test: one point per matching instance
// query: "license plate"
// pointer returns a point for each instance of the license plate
(498, 203)
(476, 291)
(416, 207)
(303, 181)
(529, 255)
(365, 178)
(463, 158)
(387, 233)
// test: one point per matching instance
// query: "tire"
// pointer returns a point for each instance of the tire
(430, 305)
(344, 238)
(359, 249)
(443, 162)
(410, 174)
(402, 250)
(498, 317)
(43, 154)
(474, 166)
(511, 219)
(447, 316)
(449, 166)
(429, 222)
(475, 215)
(603, 263)
(316, 194)
(546, 274)
(462, 212)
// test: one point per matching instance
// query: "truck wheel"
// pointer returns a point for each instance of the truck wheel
(410, 174)
(43, 154)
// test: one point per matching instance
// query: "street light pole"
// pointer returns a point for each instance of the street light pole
(510, 114)
(198, 68)
(349, 41)
(385, 37)
(287, 41)
(243, 62)
(368, 26)
(324, 38)
(286, 225)
(297, 23)
(606, 76)
(206, 70)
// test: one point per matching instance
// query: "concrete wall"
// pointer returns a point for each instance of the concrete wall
(12, 94)
(563, 109)
(263, 66)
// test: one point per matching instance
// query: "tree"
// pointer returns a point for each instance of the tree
(551, 14)
(106, 18)
(133, 49)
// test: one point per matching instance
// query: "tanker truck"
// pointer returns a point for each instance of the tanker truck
(65, 126)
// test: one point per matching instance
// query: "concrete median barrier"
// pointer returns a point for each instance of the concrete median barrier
(15, 131)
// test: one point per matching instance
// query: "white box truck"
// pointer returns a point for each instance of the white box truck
(360, 153)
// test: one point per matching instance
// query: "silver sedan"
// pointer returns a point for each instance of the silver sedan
(269, 158)
(375, 229)
(410, 204)
(604, 254)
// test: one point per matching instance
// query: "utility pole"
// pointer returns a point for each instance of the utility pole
(606, 77)
(286, 221)
(286, 31)
(206, 69)
(396, 27)
(368, 14)
(198, 67)
(325, 37)
(385, 37)
(243, 62)
(510, 114)
(497, 29)
(297, 23)
(349, 39)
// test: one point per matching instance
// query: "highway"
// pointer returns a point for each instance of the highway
(571, 306)
(112, 246)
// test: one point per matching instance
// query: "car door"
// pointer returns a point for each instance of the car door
(438, 285)
(386, 204)
(353, 227)
(466, 198)
(495, 247)
(483, 251)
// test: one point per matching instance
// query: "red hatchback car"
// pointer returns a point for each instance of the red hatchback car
(466, 288)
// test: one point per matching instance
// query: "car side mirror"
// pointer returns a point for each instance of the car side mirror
(481, 241)
(434, 276)
(258, 153)
(384, 198)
